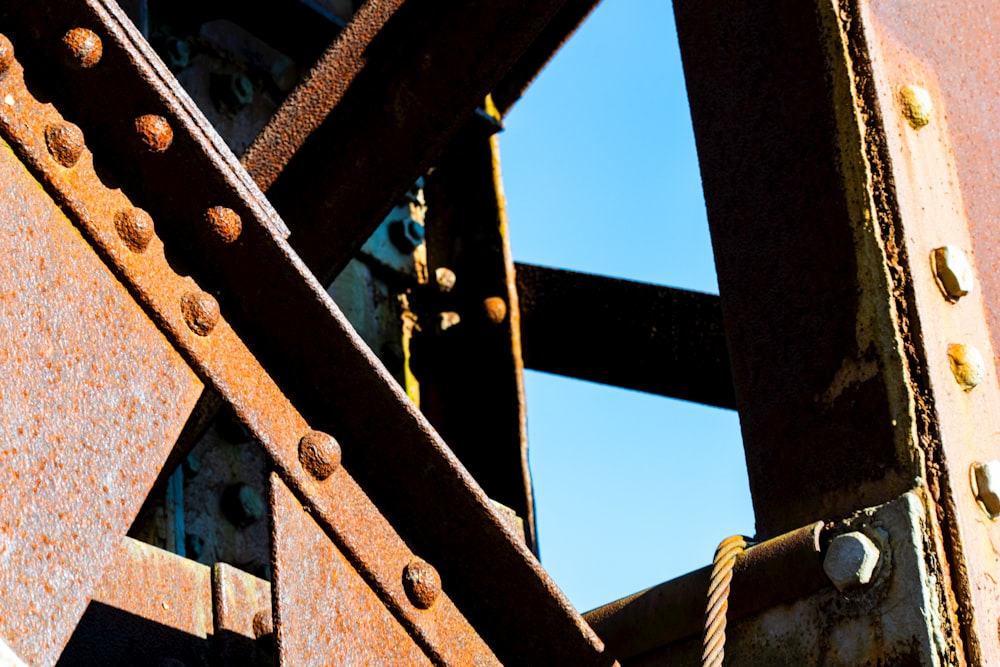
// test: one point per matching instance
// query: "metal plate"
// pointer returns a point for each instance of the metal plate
(93, 397)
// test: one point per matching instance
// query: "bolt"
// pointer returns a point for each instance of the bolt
(917, 105)
(84, 47)
(6, 55)
(985, 485)
(319, 454)
(966, 365)
(263, 623)
(155, 132)
(445, 279)
(953, 271)
(225, 222)
(135, 228)
(421, 583)
(178, 53)
(65, 143)
(200, 311)
(850, 561)
(194, 545)
(231, 92)
(406, 235)
(242, 505)
(495, 308)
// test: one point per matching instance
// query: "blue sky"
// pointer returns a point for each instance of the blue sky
(601, 175)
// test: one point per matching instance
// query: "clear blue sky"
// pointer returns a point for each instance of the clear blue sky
(601, 175)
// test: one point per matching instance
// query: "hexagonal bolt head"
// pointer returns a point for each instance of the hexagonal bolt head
(406, 235)
(953, 271)
(986, 485)
(850, 561)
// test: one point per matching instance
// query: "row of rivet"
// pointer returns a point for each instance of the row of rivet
(319, 453)
(955, 279)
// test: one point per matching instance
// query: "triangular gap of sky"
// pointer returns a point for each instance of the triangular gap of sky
(601, 175)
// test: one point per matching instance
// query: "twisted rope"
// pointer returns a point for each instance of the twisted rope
(714, 641)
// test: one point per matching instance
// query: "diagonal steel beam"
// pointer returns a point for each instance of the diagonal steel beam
(384, 100)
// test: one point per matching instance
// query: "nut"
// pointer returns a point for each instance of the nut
(986, 484)
(850, 561)
(406, 235)
(917, 105)
(953, 271)
(967, 366)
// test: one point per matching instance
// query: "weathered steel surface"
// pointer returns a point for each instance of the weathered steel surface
(93, 396)
(151, 607)
(623, 333)
(522, 74)
(470, 371)
(817, 362)
(300, 336)
(768, 574)
(378, 108)
(326, 613)
(243, 628)
(896, 620)
(932, 157)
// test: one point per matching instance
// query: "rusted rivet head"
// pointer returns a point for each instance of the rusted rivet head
(6, 55)
(319, 454)
(155, 132)
(201, 312)
(953, 271)
(495, 308)
(135, 228)
(225, 222)
(84, 47)
(65, 143)
(263, 624)
(917, 105)
(422, 583)
(966, 365)
(850, 561)
(445, 279)
(986, 486)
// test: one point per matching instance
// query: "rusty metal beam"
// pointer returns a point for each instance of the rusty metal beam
(782, 569)
(623, 333)
(299, 335)
(562, 26)
(380, 105)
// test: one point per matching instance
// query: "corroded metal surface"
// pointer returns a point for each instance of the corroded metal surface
(151, 607)
(93, 397)
(389, 94)
(243, 628)
(324, 609)
(623, 333)
(319, 362)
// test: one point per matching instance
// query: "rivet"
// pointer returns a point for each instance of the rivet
(917, 105)
(242, 505)
(850, 561)
(966, 365)
(421, 583)
(448, 319)
(263, 623)
(65, 143)
(6, 55)
(225, 222)
(201, 312)
(135, 228)
(319, 454)
(495, 308)
(84, 46)
(445, 279)
(155, 132)
(953, 271)
(985, 486)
